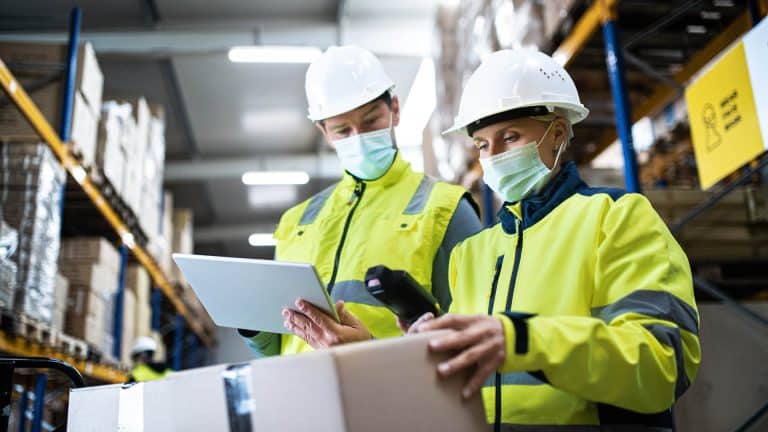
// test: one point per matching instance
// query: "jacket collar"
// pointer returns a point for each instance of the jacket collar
(392, 176)
(534, 208)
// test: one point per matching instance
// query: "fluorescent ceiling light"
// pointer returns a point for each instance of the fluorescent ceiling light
(273, 54)
(262, 239)
(272, 197)
(260, 178)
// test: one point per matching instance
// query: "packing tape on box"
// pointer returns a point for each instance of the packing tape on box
(240, 404)
(130, 413)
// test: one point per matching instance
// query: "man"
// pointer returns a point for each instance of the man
(578, 308)
(381, 212)
(144, 368)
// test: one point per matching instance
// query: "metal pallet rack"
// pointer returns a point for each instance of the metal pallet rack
(183, 319)
(604, 14)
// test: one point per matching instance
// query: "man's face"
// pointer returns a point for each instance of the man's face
(367, 118)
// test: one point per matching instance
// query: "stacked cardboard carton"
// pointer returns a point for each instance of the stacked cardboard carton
(138, 287)
(38, 67)
(92, 266)
(182, 238)
(116, 130)
(160, 245)
(31, 181)
(60, 309)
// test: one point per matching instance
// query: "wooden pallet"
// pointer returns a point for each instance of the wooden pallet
(73, 346)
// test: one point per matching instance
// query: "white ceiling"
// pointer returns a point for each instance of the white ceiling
(221, 111)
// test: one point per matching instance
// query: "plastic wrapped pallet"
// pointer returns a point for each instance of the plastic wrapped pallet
(31, 183)
(9, 241)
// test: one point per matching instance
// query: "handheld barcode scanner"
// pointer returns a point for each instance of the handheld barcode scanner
(400, 292)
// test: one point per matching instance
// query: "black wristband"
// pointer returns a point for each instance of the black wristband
(247, 333)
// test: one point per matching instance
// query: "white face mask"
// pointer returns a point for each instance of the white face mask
(518, 173)
(367, 156)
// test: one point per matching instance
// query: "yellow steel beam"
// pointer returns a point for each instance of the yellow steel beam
(20, 97)
(664, 94)
(20, 347)
(582, 32)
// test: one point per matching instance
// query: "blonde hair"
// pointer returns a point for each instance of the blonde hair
(556, 114)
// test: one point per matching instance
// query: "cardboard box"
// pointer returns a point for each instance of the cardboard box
(387, 385)
(85, 126)
(88, 250)
(143, 320)
(36, 62)
(138, 281)
(96, 277)
(60, 308)
(86, 315)
(129, 326)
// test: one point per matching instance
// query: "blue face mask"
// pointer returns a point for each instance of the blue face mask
(367, 156)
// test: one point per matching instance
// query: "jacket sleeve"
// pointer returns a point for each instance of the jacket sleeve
(262, 344)
(639, 349)
(464, 223)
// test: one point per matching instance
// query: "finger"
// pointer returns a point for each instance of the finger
(468, 358)
(461, 339)
(304, 324)
(402, 325)
(481, 374)
(316, 315)
(450, 321)
(415, 327)
(345, 316)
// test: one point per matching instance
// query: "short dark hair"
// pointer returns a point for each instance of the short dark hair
(386, 97)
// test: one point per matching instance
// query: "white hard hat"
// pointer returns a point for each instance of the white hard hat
(513, 79)
(142, 344)
(342, 79)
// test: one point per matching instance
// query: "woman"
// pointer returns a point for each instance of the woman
(577, 308)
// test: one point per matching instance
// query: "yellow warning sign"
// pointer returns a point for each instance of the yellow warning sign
(724, 122)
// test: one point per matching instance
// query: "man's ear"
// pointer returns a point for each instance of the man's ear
(395, 111)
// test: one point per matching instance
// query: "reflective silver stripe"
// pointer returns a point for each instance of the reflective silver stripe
(514, 378)
(354, 291)
(670, 336)
(237, 381)
(582, 428)
(316, 204)
(421, 196)
(656, 304)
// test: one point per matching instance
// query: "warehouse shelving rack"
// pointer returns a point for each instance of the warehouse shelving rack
(201, 329)
(604, 14)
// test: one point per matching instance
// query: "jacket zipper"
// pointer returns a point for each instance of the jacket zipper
(357, 196)
(510, 293)
(497, 378)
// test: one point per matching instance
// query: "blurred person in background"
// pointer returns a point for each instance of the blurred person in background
(144, 366)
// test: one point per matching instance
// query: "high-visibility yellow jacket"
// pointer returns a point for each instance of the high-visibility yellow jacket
(401, 220)
(142, 372)
(597, 304)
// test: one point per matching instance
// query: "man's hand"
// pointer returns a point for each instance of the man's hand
(320, 330)
(480, 341)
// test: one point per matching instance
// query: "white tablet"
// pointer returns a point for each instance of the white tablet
(251, 293)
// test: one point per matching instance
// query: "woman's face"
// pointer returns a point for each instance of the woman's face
(506, 135)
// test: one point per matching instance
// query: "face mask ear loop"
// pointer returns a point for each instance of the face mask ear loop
(559, 152)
